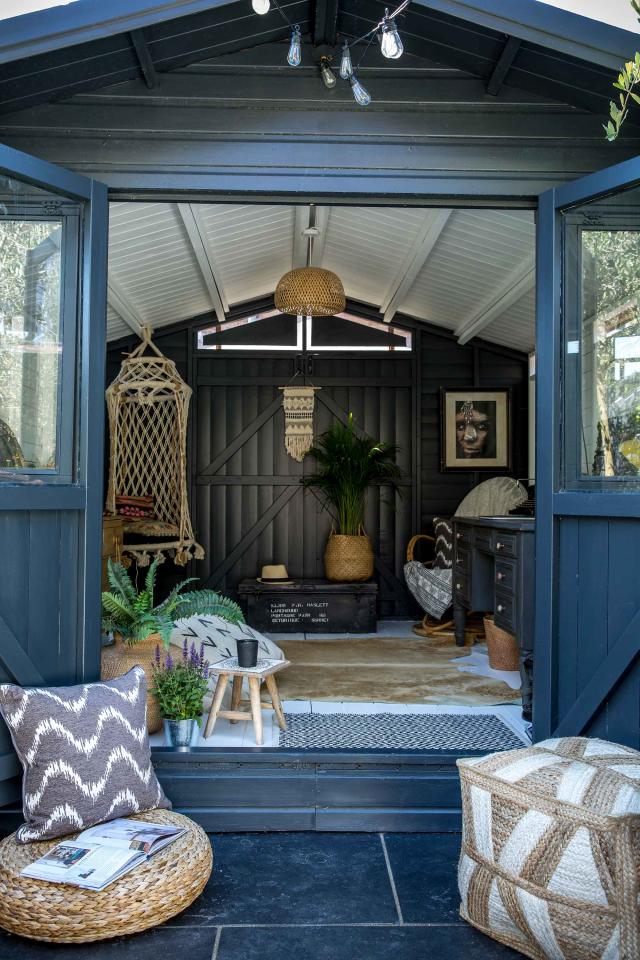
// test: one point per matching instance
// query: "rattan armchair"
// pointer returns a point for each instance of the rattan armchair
(431, 583)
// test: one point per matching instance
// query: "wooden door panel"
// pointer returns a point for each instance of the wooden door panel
(244, 474)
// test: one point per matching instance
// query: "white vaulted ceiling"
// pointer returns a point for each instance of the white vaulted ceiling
(470, 271)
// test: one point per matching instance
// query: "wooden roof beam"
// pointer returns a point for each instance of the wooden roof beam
(145, 61)
(421, 249)
(503, 65)
(300, 224)
(517, 284)
(196, 234)
(119, 301)
(325, 22)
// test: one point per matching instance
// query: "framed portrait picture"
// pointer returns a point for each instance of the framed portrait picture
(475, 429)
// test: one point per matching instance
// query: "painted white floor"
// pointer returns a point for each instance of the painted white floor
(226, 734)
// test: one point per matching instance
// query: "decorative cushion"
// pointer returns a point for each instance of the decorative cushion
(220, 638)
(550, 858)
(443, 551)
(85, 753)
(430, 586)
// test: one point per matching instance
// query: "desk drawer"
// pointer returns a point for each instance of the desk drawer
(463, 536)
(461, 586)
(462, 561)
(505, 612)
(504, 544)
(505, 575)
(482, 538)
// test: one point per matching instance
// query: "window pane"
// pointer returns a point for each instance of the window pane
(30, 343)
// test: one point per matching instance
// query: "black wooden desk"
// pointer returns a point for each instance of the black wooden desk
(493, 570)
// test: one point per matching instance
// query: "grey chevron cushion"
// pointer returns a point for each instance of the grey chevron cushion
(85, 753)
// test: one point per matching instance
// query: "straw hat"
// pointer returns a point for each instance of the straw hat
(275, 573)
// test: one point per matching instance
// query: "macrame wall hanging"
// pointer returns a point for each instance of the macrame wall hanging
(148, 404)
(298, 404)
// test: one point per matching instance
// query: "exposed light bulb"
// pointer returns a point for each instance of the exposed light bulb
(294, 57)
(360, 95)
(328, 76)
(390, 42)
(346, 67)
(261, 6)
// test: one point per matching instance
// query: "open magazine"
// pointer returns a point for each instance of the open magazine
(101, 854)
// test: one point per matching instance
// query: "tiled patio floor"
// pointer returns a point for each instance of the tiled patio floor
(317, 896)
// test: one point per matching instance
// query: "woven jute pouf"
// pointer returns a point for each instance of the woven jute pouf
(147, 896)
(550, 858)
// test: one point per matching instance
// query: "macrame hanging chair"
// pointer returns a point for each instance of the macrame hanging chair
(148, 404)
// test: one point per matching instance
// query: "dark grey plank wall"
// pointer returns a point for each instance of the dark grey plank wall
(245, 121)
(442, 362)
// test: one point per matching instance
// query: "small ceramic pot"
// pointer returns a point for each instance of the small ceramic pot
(181, 733)
(247, 652)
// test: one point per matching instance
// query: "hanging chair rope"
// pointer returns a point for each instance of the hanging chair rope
(148, 405)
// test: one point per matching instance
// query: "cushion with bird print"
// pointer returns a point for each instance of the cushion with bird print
(85, 753)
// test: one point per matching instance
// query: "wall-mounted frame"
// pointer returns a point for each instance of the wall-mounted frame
(475, 429)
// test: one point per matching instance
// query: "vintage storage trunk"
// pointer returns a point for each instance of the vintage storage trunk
(311, 606)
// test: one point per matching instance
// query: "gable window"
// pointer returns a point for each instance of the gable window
(272, 330)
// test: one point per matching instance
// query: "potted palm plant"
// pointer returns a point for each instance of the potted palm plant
(139, 624)
(348, 463)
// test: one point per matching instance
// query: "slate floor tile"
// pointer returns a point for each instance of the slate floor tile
(359, 943)
(296, 878)
(194, 942)
(425, 868)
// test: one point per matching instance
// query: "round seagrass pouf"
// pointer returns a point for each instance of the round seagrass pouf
(147, 896)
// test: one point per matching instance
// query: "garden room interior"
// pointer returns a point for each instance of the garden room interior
(437, 300)
(258, 354)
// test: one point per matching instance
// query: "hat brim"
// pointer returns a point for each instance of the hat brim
(276, 583)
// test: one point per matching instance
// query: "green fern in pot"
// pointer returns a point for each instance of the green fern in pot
(348, 463)
(140, 624)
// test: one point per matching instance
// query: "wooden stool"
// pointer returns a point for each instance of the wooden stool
(264, 670)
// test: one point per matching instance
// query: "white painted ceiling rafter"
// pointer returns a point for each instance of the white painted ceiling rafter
(190, 216)
(519, 282)
(121, 303)
(419, 252)
(299, 245)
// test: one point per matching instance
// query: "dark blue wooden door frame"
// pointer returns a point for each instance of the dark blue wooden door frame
(83, 494)
(552, 502)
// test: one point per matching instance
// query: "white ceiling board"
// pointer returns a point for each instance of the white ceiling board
(153, 264)
(516, 327)
(476, 251)
(251, 247)
(445, 267)
(366, 247)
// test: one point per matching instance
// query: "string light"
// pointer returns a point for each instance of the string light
(390, 42)
(360, 95)
(385, 30)
(346, 67)
(294, 58)
(328, 76)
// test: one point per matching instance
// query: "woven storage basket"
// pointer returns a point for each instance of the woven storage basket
(550, 859)
(348, 559)
(147, 896)
(502, 647)
(119, 658)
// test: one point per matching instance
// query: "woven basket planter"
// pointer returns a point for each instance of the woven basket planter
(118, 659)
(152, 893)
(502, 647)
(550, 860)
(348, 559)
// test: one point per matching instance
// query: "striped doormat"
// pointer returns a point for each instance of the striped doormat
(397, 731)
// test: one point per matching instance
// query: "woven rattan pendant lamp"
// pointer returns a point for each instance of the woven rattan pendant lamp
(310, 291)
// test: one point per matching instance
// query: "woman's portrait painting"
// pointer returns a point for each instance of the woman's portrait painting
(475, 429)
